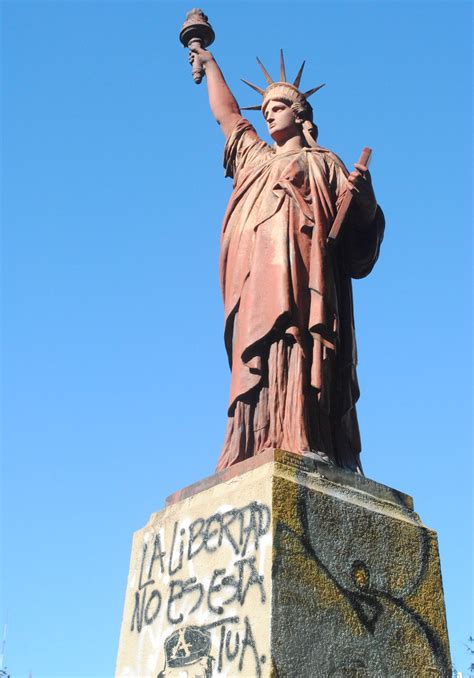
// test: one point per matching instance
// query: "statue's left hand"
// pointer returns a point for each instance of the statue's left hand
(359, 183)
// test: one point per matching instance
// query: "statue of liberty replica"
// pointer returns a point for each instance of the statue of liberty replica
(287, 562)
(289, 329)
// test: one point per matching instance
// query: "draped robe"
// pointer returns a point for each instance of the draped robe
(289, 327)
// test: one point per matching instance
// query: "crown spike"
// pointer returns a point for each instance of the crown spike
(265, 72)
(298, 77)
(312, 91)
(257, 89)
(251, 108)
(282, 67)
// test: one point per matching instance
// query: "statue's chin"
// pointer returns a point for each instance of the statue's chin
(281, 136)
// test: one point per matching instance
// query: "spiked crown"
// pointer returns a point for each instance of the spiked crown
(281, 89)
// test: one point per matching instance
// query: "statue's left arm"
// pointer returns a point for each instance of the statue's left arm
(359, 183)
(366, 225)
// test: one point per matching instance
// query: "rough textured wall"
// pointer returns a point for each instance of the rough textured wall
(356, 584)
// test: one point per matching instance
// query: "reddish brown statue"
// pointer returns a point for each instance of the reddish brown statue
(289, 330)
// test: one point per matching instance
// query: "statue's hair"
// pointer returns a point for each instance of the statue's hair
(304, 111)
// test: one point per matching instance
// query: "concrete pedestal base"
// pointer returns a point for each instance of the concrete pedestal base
(286, 568)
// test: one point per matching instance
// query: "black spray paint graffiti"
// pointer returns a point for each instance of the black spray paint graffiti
(185, 596)
(237, 583)
(369, 603)
(235, 645)
(237, 528)
(191, 646)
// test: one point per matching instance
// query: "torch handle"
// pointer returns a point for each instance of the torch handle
(198, 71)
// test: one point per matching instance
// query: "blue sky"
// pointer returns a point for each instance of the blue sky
(115, 378)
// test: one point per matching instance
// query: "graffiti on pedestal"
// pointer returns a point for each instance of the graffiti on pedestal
(207, 570)
(189, 646)
(376, 585)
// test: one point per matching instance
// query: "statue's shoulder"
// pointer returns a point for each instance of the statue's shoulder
(242, 127)
(242, 135)
(328, 157)
(244, 149)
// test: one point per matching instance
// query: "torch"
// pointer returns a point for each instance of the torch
(197, 32)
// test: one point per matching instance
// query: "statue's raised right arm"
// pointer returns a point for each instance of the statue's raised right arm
(223, 105)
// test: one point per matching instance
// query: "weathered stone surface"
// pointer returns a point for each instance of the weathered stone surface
(290, 569)
(356, 587)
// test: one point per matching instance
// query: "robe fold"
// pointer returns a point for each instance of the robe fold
(289, 327)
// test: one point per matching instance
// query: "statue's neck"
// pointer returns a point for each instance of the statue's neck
(293, 144)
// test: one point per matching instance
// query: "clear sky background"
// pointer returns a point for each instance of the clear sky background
(115, 375)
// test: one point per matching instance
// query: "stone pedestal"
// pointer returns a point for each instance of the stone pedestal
(287, 568)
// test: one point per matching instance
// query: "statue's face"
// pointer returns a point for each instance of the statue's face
(281, 121)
